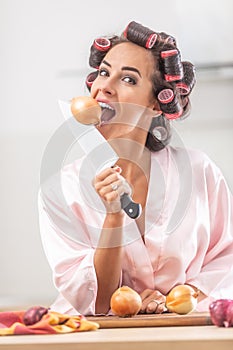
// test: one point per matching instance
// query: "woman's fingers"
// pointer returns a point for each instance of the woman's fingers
(108, 171)
(107, 180)
(105, 189)
(110, 186)
(155, 307)
(153, 302)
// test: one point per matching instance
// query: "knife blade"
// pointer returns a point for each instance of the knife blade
(89, 139)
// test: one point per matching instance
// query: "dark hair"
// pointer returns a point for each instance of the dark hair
(172, 80)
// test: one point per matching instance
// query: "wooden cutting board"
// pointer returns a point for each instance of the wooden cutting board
(155, 320)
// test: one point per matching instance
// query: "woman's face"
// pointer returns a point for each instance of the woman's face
(125, 76)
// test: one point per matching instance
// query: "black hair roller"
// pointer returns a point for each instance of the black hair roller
(102, 44)
(185, 85)
(90, 78)
(98, 50)
(140, 35)
(173, 67)
(167, 39)
(169, 104)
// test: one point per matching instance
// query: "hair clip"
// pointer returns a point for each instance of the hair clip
(185, 85)
(90, 79)
(167, 39)
(169, 104)
(98, 50)
(172, 65)
(102, 44)
(160, 133)
(140, 35)
(182, 88)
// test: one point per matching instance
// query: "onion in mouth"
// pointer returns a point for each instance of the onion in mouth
(86, 110)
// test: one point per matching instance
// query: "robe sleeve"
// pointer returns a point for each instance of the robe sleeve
(216, 275)
(70, 260)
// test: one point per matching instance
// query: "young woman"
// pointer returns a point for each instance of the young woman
(184, 233)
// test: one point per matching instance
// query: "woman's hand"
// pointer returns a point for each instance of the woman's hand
(153, 302)
(110, 185)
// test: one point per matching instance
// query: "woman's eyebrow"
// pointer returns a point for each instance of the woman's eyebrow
(107, 64)
(132, 69)
(124, 68)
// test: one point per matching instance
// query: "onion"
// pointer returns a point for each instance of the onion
(34, 315)
(229, 315)
(125, 302)
(182, 299)
(221, 312)
(86, 110)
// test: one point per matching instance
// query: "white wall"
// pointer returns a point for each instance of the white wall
(44, 47)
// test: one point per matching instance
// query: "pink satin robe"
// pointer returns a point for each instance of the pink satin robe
(188, 239)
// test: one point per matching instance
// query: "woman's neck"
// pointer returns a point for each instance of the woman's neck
(129, 144)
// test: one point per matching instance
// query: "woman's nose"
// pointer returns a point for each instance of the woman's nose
(107, 87)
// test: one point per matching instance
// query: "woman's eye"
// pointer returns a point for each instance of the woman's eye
(129, 80)
(103, 72)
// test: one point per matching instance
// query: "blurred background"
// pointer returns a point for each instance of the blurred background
(44, 48)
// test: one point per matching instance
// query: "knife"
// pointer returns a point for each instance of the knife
(90, 139)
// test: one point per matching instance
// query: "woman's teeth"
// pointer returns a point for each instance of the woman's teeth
(105, 105)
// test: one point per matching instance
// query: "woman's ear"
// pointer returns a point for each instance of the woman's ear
(156, 106)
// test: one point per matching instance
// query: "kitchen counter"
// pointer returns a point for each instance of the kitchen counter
(162, 338)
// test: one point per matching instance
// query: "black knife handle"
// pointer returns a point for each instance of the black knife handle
(132, 209)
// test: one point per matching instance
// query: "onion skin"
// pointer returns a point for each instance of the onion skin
(125, 302)
(221, 312)
(182, 299)
(86, 110)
